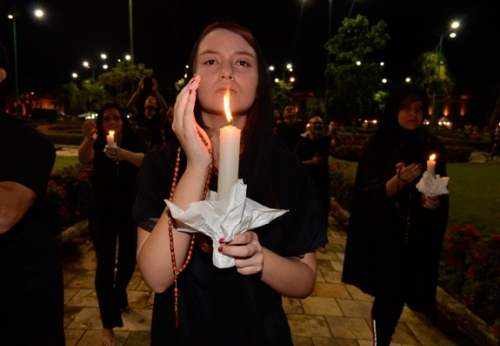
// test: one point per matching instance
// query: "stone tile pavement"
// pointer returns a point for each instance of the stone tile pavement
(335, 314)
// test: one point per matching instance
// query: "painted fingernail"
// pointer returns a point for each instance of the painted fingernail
(220, 249)
(190, 91)
(222, 241)
(193, 80)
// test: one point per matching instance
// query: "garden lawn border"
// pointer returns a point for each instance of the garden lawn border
(69, 234)
(454, 311)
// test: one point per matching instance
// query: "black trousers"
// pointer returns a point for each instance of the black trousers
(111, 285)
(386, 311)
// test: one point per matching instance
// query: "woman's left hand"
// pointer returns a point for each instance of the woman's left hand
(114, 153)
(431, 203)
(245, 248)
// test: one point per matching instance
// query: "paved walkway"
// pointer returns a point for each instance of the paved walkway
(335, 314)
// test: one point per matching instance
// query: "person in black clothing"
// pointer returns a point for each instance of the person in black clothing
(290, 130)
(152, 118)
(31, 284)
(395, 232)
(114, 188)
(313, 151)
(240, 305)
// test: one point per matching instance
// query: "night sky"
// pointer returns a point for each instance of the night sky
(293, 31)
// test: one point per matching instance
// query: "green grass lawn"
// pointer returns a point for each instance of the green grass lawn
(64, 161)
(475, 195)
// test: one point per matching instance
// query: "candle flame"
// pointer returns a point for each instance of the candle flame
(226, 107)
(432, 157)
(111, 133)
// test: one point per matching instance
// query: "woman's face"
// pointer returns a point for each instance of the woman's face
(411, 112)
(225, 60)
(112, 121)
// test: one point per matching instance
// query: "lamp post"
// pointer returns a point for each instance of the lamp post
(131, 28)
(91, 65)
(325, 120)
(15, 13)
(437, 94)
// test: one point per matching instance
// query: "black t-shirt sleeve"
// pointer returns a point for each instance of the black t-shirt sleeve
(30, 161)
(153, 187)
(303, 224)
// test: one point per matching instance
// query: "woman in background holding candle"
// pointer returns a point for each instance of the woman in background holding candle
(239, 305)
(395, 232)
(113, 185)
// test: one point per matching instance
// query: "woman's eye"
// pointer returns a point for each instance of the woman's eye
(210, 62)
(242, 63)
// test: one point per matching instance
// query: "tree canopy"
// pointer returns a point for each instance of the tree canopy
(356, 74)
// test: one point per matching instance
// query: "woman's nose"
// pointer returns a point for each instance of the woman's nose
(226, 72)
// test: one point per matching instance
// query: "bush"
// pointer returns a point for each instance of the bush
(470, 270)
(68, 197)
(49, 115)
(352, 153)
(342, 176)
(457, 154)
(69, 134)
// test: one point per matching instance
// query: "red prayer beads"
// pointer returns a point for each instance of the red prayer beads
(170, 232)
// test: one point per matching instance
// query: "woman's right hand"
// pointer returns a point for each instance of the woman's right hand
(408, 173)
(89, 130)
(187, 129)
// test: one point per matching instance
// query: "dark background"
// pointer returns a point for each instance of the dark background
(51, 48)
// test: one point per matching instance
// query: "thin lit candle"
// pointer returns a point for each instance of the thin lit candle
(110, 139)
(431, 164)
(229, 156)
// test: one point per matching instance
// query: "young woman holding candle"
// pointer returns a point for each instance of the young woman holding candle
(395, 232)
(239, 305)
(113, 184)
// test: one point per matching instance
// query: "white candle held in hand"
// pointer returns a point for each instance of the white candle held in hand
(431, 164)
(229, 156)
(110, 138)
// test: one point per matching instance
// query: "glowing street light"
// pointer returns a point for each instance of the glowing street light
(408, 79)
(384, 80)
(127, 57)
(437, 94)
(13, 16)
(74, 75)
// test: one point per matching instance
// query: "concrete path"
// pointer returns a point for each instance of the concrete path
(335, 314)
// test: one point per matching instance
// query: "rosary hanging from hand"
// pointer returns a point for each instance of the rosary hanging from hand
(170, 231)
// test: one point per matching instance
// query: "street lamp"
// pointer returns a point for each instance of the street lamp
(92, 65)
(437, 94)
(325, 120)
(15, 13)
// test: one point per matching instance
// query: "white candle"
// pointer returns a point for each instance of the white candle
(110, 138)
(229, 155)
(431, 164)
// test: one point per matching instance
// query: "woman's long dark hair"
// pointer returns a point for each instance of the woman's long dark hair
(257, 135)
(127, 132)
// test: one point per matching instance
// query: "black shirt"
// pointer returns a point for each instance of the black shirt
(28, 250)
(220, 306)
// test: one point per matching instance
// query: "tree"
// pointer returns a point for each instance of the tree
(432, 67)
(121, 76)
(282, 94)
(315, 106)
(109, 87)
(356, 76)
